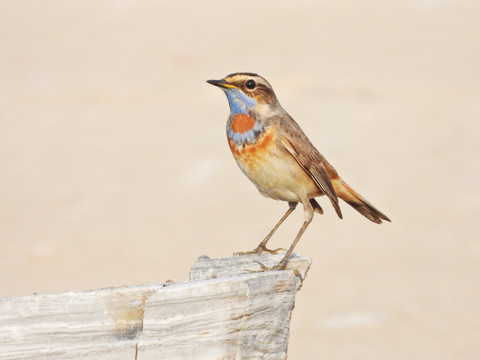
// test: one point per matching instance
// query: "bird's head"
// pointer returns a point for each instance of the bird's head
(247, 93)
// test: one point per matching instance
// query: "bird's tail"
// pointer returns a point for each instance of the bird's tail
(355, 200)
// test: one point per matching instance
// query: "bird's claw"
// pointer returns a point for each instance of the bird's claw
(274, 252)
(259, 250)
(240, 253)
(266, 268)
(281, 266)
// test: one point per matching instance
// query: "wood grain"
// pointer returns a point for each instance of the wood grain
(225, 309)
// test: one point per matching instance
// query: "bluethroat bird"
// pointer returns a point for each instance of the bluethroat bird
(276, 155)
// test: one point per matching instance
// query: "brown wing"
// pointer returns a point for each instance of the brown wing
(309, 158)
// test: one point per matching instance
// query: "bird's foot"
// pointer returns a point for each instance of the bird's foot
(259, 250)
(274, 252)
(282, 265)
(264, 267)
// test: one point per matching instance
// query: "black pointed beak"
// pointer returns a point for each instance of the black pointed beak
(220, 83)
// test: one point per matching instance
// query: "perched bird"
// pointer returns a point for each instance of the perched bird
(276, 155)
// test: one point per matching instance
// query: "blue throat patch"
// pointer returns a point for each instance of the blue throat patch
(240, 103)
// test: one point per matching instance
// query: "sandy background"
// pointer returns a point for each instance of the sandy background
(114, 167)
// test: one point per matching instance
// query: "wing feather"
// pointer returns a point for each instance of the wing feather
(310, 160)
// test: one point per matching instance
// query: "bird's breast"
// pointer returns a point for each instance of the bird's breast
(249, 153)
(271, 168)
(243, 129)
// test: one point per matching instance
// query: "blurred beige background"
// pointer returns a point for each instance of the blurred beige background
(114, 166)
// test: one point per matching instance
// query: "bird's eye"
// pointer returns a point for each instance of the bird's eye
(250, 84)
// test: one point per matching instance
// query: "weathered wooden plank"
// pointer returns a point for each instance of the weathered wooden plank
(223, 311)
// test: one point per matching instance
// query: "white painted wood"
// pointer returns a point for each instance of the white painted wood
(224, 310)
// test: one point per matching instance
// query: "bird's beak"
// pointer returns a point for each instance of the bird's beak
(221, 83)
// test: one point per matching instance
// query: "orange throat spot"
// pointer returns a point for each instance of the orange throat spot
(242, 123)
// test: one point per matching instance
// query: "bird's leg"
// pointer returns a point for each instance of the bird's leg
(263, 245)
(308, 219)
(283, 263)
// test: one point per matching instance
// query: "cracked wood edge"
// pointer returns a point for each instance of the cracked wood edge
(223, 310)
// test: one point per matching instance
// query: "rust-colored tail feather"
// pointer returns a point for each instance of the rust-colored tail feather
(355, 200)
